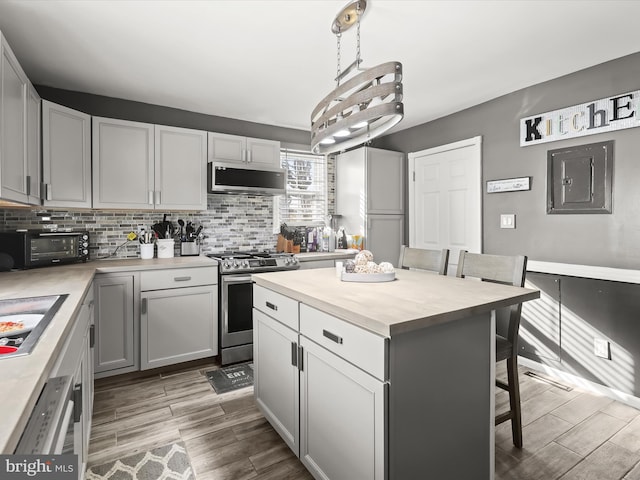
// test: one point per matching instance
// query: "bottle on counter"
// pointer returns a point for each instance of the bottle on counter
(312, 244)
(332, 240)
(325, 239)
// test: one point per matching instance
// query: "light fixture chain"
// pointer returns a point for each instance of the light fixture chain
(339, 35)
(358, 35)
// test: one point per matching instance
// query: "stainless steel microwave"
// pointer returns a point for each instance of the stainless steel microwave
(38, 248)
(225, 177)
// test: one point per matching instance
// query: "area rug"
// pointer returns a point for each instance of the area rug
(231, 378)
(163, 463)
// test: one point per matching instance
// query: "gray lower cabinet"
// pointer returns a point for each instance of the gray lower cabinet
(116, 307)
(276, 382)
(178, 325)
(76, 360)
(315, 383)
(178, 315)
(342, 417)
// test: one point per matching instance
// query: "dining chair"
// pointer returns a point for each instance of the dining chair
(424, 259)
(509, 270)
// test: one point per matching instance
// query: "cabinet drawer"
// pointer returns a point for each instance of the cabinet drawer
(177, 278)
(364, 349)
(283, 309)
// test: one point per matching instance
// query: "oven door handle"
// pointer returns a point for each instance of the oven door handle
(236, 278)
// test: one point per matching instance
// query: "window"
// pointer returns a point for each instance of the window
(305, 202)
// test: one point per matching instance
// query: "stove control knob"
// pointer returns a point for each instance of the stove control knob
(85, 252)
(245, 264)
(226, 264)
(235, 264)
(294, 260)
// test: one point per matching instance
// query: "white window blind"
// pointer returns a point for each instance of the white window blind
(305, 202)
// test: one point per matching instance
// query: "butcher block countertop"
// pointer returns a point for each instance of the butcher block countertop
(414, 300)
(22, 378)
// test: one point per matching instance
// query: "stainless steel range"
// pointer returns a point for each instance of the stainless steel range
(236, 298)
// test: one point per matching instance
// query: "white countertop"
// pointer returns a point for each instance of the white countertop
(22, 378)
(414, 300)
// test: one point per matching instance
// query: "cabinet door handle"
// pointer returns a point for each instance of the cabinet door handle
(294, 354)
(28, 179)
(181, 279)
(49, 194)
(150, 197)
(332, 336)
(272, 306)
(249, 156)
(77, 403)
(244, 155)
(92, 336)
(158, 194)
(143, 306)
(300, 358)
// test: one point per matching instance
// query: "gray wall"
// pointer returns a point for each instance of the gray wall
(101, 106)
(603, 240)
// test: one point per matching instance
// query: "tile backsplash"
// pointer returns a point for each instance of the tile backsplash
(242, 222)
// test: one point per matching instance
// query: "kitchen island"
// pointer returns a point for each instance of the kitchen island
(380, 380)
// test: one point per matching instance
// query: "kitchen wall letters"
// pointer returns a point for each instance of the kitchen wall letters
(604, 115)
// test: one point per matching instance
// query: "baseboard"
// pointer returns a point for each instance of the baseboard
(582, 383)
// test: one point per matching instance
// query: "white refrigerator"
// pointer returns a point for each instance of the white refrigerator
(370, 199)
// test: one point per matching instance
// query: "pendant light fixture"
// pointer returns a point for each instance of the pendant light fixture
(365, 103)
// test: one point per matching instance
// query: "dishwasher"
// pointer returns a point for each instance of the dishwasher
(50, 429)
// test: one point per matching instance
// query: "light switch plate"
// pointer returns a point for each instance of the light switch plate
(508, 220)
(601, 348)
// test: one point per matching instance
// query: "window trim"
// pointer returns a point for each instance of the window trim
(277, 219)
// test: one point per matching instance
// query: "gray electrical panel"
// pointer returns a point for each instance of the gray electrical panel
(579, 179)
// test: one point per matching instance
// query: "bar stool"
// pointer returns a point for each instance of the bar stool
(509, 270)
(424, 259)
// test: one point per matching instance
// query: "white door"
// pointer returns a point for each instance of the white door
(445, 198)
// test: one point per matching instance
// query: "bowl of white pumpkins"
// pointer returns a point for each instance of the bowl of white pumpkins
(363, 269)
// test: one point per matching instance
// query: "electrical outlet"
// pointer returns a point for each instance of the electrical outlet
(508, 220)
(601, 348)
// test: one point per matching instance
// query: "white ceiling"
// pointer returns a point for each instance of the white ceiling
(272, 61)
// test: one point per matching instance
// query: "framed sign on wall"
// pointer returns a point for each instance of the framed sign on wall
(509, 185)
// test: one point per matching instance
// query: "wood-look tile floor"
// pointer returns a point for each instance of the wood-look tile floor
(225, 436)
(568, 435)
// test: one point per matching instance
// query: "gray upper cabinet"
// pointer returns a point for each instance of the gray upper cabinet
(15, 183)
(123, 164)
(180, 168)
(32, 145)
(140, 165)
(66, 156)
(234, 148)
